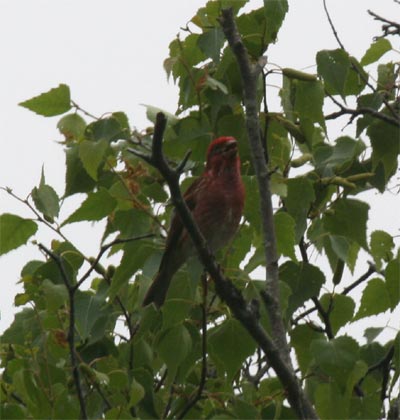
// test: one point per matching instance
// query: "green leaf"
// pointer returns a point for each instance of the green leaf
(252, 203)
(359, 370)
(46, 200)
(91, 154)
(341, 312)
(92, 315)
(279, 145)
(376, 51)
(375, 299)
(137, 392)
(364, 408)
(174, 345)
(333, 66)
(72, 126)
(97, 206)
(349, 219)
(14, 232)
(329, 402)
(285, 235)
(331, 161)
(387, 75)
(54, 102)
(309, 101)
(371, 333)
(305, 281)
(344, 248)
(336, 358)
(275, 11)
(12, 411)
(226, 350)
(211, 42)
(56, 295)
(369, 100)
(392, 277)
(23, 330)
(300, 195)
(385, 146)
(108, 129)
(381, 246)
(300, 338)
(76, 178)
(135, 255)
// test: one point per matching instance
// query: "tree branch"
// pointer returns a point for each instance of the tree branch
(389, 27)
(361, 279)
(356, 68)
(249, 74)
(362, 111)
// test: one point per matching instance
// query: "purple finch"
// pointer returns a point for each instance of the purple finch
(216, 201)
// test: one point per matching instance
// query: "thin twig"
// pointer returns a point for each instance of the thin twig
(88, 114)
(346, 290)
(361, 279)
(362, 111)
(71, 328)
(356, 68)
(35, 212)
(103, 249)
(390, 27)
(383, 364)
(324, 314)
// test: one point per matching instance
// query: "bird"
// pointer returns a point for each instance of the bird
(216, 200)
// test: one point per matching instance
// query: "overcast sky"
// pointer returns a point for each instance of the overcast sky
(111, 55)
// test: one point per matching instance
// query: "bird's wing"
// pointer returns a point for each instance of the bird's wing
(176, 227)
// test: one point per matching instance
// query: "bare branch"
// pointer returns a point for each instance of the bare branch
(356, 68)
(362, 111)
(361, 279)
(249, 74)
(249, 83)
(390, 27)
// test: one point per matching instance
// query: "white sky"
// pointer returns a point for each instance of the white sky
(111, 56)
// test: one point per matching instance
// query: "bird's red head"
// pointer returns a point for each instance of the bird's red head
(222, 153)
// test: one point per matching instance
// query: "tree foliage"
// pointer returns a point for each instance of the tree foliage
(83, 346)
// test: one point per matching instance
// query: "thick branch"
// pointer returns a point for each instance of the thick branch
(249, 74)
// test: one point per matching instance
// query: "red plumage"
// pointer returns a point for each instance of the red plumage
(216, 200)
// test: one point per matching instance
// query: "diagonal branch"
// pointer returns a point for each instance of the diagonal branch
(223, 286)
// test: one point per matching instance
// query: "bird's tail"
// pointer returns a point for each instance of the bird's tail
(158, 289)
